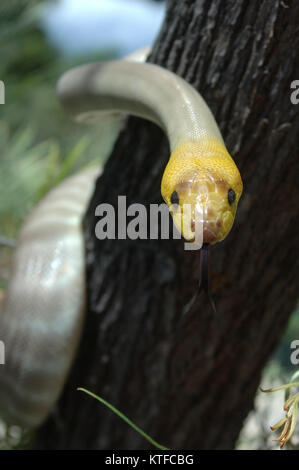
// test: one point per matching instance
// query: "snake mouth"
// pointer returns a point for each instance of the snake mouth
(210, 229)
(208, 235)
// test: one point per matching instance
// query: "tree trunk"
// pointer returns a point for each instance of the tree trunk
(189, 381)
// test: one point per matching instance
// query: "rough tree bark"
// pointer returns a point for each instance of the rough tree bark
(189, 381)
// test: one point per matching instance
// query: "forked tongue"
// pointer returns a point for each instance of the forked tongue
(204, 284)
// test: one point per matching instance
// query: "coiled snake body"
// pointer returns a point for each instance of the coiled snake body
(42, 318)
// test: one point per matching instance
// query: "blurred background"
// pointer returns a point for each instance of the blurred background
(40, 144)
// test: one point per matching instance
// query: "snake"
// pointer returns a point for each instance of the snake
(42, 317)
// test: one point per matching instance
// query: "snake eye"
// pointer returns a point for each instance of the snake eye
(174, 198)
(231, 196)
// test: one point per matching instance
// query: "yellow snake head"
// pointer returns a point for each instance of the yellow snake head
(202, 186)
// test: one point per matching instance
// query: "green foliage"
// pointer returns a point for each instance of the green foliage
(125, 419)
(29, 170)
(40, 144)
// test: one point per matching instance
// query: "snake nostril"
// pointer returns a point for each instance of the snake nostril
(219, 223)
(192, 225)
